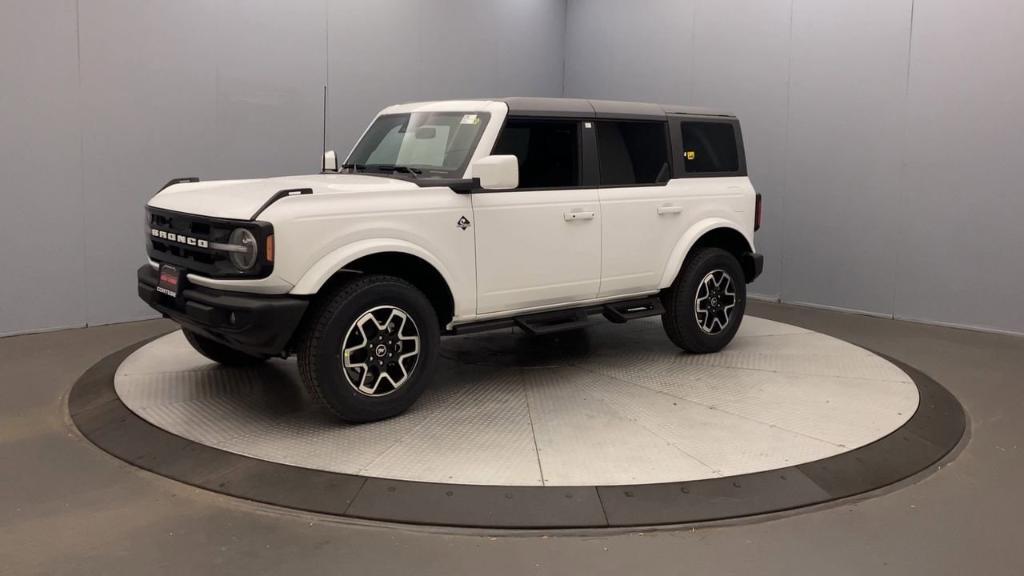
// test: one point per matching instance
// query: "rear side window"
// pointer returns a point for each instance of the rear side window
(548, 151)
(709, 147)
(632, 152)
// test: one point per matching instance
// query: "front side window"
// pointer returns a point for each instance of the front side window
(426, 144)
(632, 153)
(548, 151)
(709, 147)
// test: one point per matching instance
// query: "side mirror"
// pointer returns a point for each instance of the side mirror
(330, 163)
(497, 172)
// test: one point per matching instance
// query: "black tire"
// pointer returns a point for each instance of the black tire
(339, 321)
(687, 327)
(220, 353)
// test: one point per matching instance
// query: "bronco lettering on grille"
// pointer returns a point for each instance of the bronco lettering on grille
(179, 238)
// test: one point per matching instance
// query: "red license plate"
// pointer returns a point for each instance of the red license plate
(170, 277)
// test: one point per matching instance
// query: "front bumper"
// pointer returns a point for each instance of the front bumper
(753, 264)
(252, 323)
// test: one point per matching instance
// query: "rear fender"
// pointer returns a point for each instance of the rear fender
(686, 243)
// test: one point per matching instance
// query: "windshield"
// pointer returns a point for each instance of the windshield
(421, 144)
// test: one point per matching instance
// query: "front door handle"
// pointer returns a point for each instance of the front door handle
(574, 215)
(670, 209)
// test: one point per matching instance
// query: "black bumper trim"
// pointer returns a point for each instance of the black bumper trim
(753, 264)
(252, 323)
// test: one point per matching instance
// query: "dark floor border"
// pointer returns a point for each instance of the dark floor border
(930, 434)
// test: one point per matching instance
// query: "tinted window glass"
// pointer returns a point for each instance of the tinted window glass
(548, 151)
(632, 152)
(710, 147)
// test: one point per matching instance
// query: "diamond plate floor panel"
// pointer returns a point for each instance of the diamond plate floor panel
(611, 405)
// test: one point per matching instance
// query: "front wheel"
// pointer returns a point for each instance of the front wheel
(705, 305)
(370, 348)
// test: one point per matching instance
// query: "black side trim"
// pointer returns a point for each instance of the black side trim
(459, 185)
(281, 194)
(174, 181)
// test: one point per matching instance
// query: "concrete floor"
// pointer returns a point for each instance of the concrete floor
(67, 507)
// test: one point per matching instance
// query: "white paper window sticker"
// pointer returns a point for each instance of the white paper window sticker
(470, 119)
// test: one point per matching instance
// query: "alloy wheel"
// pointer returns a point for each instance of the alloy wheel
(715, 301)
(380, 350)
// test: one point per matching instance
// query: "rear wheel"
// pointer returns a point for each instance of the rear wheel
(705, 305)
(370, 348)
(220, 353)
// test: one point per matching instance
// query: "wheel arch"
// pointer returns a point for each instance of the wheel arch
(714, 232)
(394, 258)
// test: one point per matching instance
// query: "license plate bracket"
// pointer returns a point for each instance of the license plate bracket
(170, 280)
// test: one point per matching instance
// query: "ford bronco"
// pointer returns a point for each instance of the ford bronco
(455, 216)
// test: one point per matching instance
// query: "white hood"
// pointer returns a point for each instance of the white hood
(242, 199)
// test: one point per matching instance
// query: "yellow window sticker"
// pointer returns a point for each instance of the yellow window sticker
(690, 154)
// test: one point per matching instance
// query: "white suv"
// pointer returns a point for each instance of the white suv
(455, 216)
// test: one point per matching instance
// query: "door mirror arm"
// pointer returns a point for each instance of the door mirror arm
(465, 186)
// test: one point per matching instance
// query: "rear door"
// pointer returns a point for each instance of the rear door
(643, 208)
(540, 244)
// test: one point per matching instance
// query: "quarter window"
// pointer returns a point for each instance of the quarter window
(709, 147)
(547, 150)
(632, 153)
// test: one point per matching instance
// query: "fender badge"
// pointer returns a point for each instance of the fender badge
(463, 223)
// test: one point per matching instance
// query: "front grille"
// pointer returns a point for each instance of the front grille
(186, 240)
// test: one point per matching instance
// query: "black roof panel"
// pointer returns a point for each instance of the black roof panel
(578, 107)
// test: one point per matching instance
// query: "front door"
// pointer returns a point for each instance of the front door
(540, 244)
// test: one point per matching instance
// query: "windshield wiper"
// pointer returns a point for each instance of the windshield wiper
(395, 168)
(354, 167)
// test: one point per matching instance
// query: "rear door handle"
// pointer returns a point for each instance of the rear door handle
(573, 215)
(670, 209)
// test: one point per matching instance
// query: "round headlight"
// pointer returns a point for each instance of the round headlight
(243, 259)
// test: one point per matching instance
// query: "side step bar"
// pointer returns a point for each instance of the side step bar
(542, 323)
(549, 322)
(621, 312)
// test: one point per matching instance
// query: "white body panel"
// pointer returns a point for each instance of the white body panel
(643, 226)
(536, 248)
(525, 250)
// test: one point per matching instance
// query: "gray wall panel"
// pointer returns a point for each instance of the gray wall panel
(40, 168)
(629, 50)
(271, 71)
(215, 90)
(373, 50)
(396, 51)
(741, 63)
(847, 87)
(961, 231)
